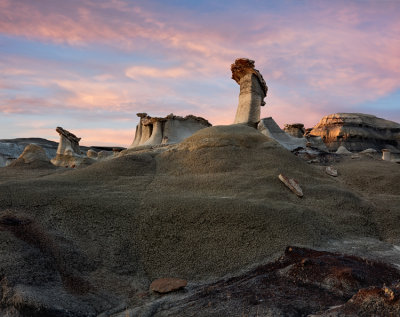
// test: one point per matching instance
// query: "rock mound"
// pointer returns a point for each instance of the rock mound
(358, 132)
(33, 156)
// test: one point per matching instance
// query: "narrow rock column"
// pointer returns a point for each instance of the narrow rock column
(139, 129)
(157, 133)
(253, 90)
(386, 155)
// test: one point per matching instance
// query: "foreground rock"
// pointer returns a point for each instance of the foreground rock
(301, 282)
(357, 132)
(68, 152)
(172, 129)
(253, 90)
(167, 285)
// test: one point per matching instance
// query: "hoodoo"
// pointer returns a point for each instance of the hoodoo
(171, 129)
(253, 90)
(68, 151)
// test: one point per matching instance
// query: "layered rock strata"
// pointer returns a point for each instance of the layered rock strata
(171, 129)
(253, 90)
(357, 132)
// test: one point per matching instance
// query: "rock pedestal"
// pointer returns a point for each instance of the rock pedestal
(253, 90)
(68, 151)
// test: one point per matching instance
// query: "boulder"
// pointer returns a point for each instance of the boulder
(33, 156)
(342, 150)
(358, 132)
(92, 154)
(167, 285)
(253, 90)
(295, 129)
(152, 131)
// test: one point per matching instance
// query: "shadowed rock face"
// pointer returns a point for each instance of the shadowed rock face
(171, 129)
(357, 132)
(253, 90)
(301, 282)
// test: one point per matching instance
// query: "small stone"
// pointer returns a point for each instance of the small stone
(342, 150)
(292, 184)
(166, 285)
(330, 170)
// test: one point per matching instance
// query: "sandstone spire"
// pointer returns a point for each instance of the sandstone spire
(253, 90)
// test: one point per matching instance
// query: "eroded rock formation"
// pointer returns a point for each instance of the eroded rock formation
(171, 129)
(68, 152)
(295, 129)
(33, 156)
(253, 90)
(270, 128)
(357, 132)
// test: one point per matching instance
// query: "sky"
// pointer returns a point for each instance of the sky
(90, 65)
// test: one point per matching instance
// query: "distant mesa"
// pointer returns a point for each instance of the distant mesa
(169, 130)
(358, 132)
(253, 90)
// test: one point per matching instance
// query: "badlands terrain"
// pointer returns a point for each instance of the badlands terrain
(211, 209)
(194, 220)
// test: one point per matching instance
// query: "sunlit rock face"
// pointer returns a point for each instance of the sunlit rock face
(172, 129)
(357, 132)
(253, 90)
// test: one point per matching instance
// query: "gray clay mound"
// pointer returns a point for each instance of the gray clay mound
(213, 205)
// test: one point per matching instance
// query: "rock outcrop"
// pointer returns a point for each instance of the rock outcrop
(357, 132)
(33, 156)
(253, 90)
(11, 149)
(270, 128)
(171, 129)
(295, 129)
(68, 152)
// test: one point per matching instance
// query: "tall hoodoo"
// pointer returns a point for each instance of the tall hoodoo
(253, 90)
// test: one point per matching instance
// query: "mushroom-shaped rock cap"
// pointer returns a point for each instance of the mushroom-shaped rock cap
(70, 136)
(244, 66)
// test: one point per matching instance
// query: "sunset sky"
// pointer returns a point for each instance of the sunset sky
(91, 65)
